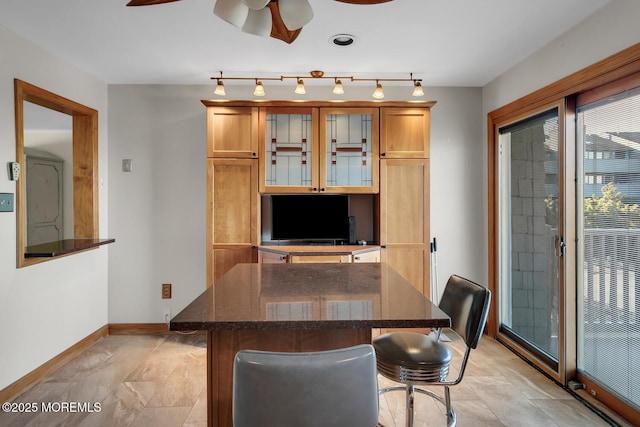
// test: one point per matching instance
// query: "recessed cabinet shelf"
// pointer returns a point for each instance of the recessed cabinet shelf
(63, 247)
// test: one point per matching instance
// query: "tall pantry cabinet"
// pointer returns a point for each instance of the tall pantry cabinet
(241, 157)
(233, 201)
(404, 193)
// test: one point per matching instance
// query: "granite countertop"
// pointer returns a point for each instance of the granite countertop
(310, 296)
(319, 249)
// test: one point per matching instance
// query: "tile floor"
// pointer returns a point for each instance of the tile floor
(159, 380)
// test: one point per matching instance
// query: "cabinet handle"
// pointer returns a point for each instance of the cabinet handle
(322, 189)
(357, 258)
(253, 154)
(282, 257)
(315, 189)
(384, 246)
(383, 154)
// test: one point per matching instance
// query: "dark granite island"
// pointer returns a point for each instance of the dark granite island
(297, 307)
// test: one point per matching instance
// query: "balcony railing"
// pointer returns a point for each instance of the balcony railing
(611, 290)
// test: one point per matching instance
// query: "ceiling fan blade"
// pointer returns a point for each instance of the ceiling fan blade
(258, 22)
(295, 13)
(233, 11)
(278, 29)
(148, 2)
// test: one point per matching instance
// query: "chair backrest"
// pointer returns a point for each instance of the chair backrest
(467, 304)
(326, 388)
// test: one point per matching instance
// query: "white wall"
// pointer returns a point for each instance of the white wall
(457, 196)
(46, 308)
(158, 211)
(611, 29)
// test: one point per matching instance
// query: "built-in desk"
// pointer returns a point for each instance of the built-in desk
(297, 307)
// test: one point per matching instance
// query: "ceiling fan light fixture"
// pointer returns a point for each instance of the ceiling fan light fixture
(300, 89)
(295, 13)
(378, 93)
(417, 89)
(338, 89)
(342, 39)
(258, 22)
(232, 11)
(259, 89)
(220, 89)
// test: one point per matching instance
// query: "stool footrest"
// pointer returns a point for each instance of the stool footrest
(451, 414)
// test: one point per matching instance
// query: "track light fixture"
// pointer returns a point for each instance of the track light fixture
(338, 88)
(417, 89)
(378, 93)
(220, 88)
(300, 89)
(259, 90)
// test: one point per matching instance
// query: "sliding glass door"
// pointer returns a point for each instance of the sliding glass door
(530, 230)
(609, 250)
(564, 230)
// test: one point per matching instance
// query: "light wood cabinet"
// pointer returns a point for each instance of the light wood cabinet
(404, 218)
(233, 214)
(225, 257)
(404, 192)
(331, 259)
(232, 132)
(289, 153)
(319, 150)
(349, 150)
(311, 147)
(404, 133)
(373, 256)
(315, 254)
(265, 257)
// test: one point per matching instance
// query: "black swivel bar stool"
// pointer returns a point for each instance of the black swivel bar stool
(414, 359)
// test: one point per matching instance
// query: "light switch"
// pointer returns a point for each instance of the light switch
(127, 165)
(6, 202)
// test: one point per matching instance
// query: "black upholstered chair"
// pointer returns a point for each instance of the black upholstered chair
(414, 359)
(326, 388)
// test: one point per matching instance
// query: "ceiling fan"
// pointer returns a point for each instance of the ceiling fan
(280, 19)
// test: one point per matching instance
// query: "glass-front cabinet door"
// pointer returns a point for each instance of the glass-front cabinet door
(289, 150)
(349, 150)
(311, 150)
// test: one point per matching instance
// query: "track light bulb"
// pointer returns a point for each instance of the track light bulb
(338, 89)
(220, 89)
(417, 89)
(379, 92)
(300, 89)
(259, 90)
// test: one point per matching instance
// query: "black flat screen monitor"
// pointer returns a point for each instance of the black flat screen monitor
(310, 218)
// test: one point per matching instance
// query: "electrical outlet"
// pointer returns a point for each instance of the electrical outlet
(166, 291)
(166, 315)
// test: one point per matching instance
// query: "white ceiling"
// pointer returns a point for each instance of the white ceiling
(444, 42)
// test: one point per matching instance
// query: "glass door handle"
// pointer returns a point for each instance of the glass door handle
(560, 246)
